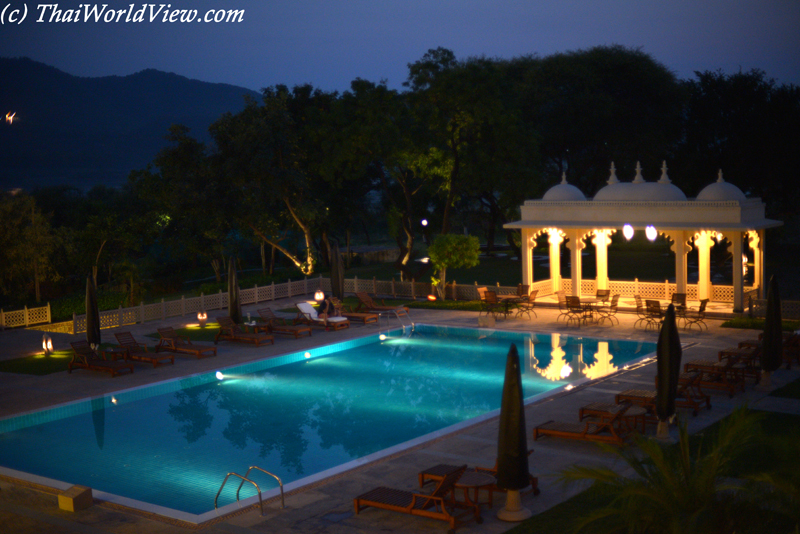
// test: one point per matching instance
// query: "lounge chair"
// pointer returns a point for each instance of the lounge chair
(726, 374)
(170, 341)
(306, 314)
(689, 395)
(138, 352)
(366, 303)
(278, 325)
(607, 431)
(230, 331)
(436, 505)
(84, 357)
(344, 310)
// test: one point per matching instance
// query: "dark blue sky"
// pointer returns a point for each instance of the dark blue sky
(330, 42)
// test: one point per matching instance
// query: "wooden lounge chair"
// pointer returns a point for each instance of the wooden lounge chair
(688, 395)
(278, 325)
(366, 303)
(83, 357)
(138, 351)
(170, 341)
(436, 505)
(306, 314)
(344, 310)
(607, 431)
(230, 331)
(723, 375)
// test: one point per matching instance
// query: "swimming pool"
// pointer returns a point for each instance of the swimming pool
(167, 447)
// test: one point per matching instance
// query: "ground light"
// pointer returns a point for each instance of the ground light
(47, 345)
(201, 318)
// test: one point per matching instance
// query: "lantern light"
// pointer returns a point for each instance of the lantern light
(424, 222)
(201, 318)
(651, 232)
(431, 297)
(47, 345)
(319, 296)
(627, 231)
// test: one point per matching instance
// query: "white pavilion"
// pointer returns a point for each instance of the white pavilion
(721, 212)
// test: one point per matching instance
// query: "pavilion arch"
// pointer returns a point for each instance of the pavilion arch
(720, 212)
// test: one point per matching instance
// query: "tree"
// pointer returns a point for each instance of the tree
(452, 251)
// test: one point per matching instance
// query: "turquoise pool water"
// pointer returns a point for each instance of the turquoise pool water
(171, 444)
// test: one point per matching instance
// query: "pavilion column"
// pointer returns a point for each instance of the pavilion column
(601, 240)
(576, 245)
(735, 239)
(555, 238)
(528, 244)
(703, 241)
(680, 247)
(756, 243)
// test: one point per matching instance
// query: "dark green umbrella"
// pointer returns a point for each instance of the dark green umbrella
(512, 443)
(772, 340)
(99, 420)
(337, 273)
(92, 314)
(234, 306)
(668, 354)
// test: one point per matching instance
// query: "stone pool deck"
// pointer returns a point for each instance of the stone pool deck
(327, 506)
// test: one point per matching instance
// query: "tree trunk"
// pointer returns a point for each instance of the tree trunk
(263, 259)
(216, 266)
(272, 261)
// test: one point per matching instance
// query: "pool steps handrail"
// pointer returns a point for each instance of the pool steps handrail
(245, 479)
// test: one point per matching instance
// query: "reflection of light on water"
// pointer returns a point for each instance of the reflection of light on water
(553, 371)
(602, 365)
(113, 400)
(566, 371)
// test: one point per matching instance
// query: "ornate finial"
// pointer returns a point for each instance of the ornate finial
(564, 178)
(719, 177)
(613, 178)
(638, 179)
(664, 178)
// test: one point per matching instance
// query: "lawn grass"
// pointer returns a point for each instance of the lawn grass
(757, 323)
(194, 333)
(38, 364)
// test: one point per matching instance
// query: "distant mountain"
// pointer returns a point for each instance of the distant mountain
(88, 131)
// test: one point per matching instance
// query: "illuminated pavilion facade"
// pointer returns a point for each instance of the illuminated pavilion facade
(721, 212)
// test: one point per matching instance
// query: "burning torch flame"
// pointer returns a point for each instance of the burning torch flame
(10, 117)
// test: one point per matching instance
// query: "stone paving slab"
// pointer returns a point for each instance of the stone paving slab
(328, 506)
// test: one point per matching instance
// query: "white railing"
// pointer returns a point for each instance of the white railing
(25, 317)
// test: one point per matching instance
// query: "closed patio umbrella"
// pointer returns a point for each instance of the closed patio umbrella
(337, 273)
(668, 358)
(512, 444)
(92, 314)
(772, 340)
(234, 306)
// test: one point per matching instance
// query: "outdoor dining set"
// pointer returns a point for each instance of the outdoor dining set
(597, 309)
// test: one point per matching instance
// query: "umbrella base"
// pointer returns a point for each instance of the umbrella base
(513, 510)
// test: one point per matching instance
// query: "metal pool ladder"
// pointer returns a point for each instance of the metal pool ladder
(245, 479)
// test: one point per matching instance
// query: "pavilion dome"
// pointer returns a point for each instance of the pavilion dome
(639, 189)
(564, 191)
(721, 190)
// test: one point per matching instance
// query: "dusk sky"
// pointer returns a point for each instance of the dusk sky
(331, 42)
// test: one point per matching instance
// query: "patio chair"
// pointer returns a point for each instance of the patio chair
(562, 305)
(306, 314)
(230, 331)
(172, 342)
(439, 504)
(610, 311)
(527, 305)
(679, 302)
(523, 290)
(608, 431)
(138, 351)
(696, 317)
(277, 325)
(491, 304)
(576, 311)
(641, 310)
(602, 295)
(366, 302)
(84, 357)
(655, 315)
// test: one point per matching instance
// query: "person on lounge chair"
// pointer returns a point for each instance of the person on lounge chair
(327, 307)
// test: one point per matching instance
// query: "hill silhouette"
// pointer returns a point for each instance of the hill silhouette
(88, 131)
